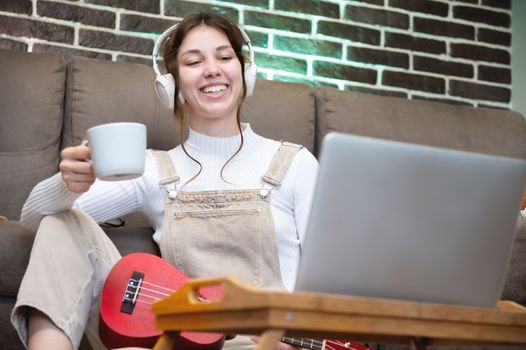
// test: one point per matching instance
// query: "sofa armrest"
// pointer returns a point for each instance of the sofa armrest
(15, 248)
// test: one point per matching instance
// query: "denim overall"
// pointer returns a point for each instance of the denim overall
(226, 232)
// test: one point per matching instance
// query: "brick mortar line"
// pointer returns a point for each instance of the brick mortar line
(314, 26)
(451, 59)
(241, 18)
(119, 32)
(493, 104)
(307, 77)
(289, 14)
(485, 7)
(289, 54)
(20, 39)
(480, 82)
(76, 35)
(479, 43)
(310, 66)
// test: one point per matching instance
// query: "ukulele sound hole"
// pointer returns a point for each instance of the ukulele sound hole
(132, 292)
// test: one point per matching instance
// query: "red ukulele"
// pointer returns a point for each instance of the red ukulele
(133, 284)
(139, 279)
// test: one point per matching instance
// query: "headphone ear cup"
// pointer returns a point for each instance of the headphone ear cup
(165, 89)
(250, 77)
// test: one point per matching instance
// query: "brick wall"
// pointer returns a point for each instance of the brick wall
(454, 51)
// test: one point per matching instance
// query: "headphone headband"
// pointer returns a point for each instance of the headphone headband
(160, 40)
(165, 83)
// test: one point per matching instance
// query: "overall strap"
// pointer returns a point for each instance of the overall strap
(280, 163)
(167, 173)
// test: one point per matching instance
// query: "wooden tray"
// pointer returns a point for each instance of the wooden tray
(247, 310)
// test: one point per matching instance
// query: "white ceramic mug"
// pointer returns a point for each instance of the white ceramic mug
(117, 150)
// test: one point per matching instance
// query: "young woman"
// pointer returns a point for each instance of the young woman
(238, 205)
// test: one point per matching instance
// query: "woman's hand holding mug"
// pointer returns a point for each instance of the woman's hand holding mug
(77, 170)
(112, 152)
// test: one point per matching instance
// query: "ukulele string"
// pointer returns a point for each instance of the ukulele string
(153, 291)
(158, 286)
(153, 298)
(144, 282)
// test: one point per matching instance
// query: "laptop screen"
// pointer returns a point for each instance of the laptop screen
(405, 221)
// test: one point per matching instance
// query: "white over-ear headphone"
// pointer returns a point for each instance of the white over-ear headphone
(165, 84)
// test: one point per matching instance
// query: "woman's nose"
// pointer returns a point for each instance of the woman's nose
(212, 69)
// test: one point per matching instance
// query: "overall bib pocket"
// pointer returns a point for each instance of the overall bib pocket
(227, 240)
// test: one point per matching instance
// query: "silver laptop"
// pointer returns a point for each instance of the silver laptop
(405, 221)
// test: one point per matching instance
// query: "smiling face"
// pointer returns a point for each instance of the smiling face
(210, 80)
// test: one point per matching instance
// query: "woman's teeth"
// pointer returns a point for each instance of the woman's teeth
(213, 89)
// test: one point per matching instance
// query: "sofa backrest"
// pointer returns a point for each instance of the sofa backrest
(483, 130)
(282, 111)
(31, 109)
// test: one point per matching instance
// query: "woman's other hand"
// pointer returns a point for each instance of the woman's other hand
(77, 170)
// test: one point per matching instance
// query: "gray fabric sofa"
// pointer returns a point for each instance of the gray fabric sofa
(47, 103)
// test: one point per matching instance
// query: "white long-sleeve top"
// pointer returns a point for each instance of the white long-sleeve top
(290, 203)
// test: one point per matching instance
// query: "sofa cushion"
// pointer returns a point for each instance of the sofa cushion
(32, 97)
(282, 111)
(101, 91)
(490, 131)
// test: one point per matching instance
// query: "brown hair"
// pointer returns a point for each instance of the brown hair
(171, 50)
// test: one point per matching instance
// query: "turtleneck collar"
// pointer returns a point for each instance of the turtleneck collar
(200, 143)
